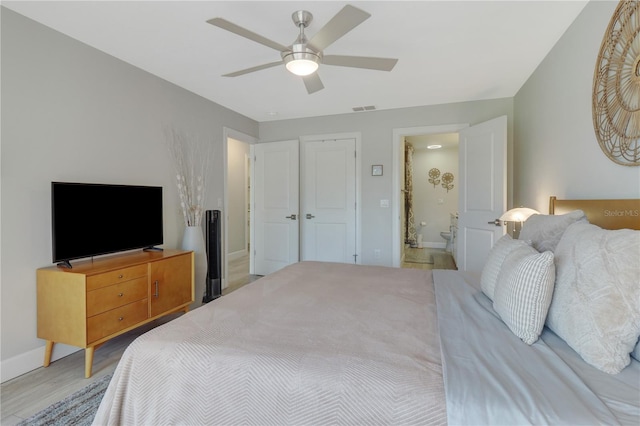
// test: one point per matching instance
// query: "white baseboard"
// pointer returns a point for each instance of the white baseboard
(31, 360)
(429, 244)
(237, 254)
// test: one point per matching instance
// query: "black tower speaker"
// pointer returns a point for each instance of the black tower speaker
(214, 248)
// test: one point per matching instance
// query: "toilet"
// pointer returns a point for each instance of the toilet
(447, 236)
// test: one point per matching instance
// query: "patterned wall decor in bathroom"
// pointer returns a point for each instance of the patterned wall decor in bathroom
(434, 174)
(447, 181)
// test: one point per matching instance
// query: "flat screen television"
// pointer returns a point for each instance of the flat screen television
(93, 219)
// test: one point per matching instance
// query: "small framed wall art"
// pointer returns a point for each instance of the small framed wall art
(376, 170)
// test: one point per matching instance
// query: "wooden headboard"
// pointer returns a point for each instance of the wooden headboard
(607, 214)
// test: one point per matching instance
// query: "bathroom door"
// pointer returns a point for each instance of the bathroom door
(483, 194)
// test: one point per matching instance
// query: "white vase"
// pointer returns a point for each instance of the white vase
(193, 240)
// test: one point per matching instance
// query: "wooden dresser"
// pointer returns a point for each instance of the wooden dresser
(101, 299)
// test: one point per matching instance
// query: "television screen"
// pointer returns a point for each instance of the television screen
(94, 219)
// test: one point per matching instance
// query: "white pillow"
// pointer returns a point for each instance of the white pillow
(498, 253)
(523, 292)
(596, 303)
(544, 231)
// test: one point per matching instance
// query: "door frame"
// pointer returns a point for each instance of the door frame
(396, 179)
(227, 133)
(358, 138)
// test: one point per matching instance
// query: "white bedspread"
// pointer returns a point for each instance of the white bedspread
(315, 343)
(493, 378)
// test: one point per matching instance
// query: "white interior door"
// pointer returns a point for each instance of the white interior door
(483, 194)
(276, 203)
(329, 201)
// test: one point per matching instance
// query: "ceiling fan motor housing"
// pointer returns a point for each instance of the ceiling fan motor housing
(306, 59)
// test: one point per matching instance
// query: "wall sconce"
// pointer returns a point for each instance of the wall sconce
(517, 215)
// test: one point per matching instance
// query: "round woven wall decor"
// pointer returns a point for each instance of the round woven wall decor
(616, 87)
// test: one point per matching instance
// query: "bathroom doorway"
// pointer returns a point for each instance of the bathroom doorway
(430, 206)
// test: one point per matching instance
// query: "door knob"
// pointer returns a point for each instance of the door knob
(310, 216)
(292, 217)
(495, 222)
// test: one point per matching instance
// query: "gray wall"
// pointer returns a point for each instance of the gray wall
(237, 182)
(555, 147)
(377, 129)
(72, 113)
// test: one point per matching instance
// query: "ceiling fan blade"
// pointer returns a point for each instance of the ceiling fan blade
(243, 32)
(344, 21)
(380, 64)
(313, 83)
(253, 69)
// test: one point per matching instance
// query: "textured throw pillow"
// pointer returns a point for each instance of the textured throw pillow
(523, 292)
(596, 303)
(544, 231)
(498, 253)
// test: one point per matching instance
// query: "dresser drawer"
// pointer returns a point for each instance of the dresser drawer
(104, 324)
(109, 278)
(106, 298)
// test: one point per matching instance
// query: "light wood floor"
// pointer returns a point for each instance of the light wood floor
(24, 396)
(239, 274)
(442, 261)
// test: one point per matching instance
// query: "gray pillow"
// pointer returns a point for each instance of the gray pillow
(523, 292)
(596, 302)
(544, 231)
(491, 269)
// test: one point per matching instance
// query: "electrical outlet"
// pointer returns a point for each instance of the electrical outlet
(377, 253)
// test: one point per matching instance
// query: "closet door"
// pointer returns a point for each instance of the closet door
(276, 183)
(328, 192)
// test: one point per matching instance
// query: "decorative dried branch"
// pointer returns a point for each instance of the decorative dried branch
(191, 157)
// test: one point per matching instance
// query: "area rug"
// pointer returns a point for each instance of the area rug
(77, 409)
(417, 255)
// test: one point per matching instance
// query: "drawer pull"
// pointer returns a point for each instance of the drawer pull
(157, 293)
(120, 294)
(120, 319)
(120, 276)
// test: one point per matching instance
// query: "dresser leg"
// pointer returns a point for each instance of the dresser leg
(47, 353)
(88, 361)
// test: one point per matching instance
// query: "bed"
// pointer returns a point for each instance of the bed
(325, 343)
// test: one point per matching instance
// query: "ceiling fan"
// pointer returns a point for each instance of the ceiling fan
(304, 56)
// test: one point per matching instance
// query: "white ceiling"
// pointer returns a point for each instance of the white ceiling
(448, 51)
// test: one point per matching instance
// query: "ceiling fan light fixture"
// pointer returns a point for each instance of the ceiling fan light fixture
(302, 63)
